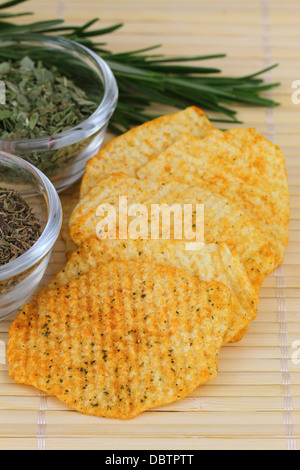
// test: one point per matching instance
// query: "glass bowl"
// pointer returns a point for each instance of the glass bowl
(21, 277)
(62, 157)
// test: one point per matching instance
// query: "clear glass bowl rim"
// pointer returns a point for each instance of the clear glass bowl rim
(51, 231)
(93, 123)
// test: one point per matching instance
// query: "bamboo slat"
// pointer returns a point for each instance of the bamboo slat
(255, 401)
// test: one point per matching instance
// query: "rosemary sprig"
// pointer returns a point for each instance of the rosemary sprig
(145, 78)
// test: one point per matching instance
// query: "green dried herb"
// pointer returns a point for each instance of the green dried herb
(40, 102)
(19, 226)
(52, 162)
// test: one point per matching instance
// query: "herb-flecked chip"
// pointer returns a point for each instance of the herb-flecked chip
(121, 339)
(211, 263)
(219, 164)
(225, 221)
(132, 150)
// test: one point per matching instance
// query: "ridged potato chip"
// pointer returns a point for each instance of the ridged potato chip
(254, 158)
(135, 148)
(121, 339)
(225, 222)
(193, 161)
(211, 263)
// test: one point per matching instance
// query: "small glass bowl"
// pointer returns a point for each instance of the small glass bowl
(21, 277)
(62, 157)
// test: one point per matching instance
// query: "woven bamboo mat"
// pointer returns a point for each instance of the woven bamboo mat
(255, 401)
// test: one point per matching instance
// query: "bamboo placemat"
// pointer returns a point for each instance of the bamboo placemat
(255, 401)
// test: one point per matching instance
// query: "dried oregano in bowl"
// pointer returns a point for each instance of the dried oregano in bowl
(59, 99)
(41, 102)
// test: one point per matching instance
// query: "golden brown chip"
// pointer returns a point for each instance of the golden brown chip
(192, 161)
(255, 159)
(225, 222)
(211, 263)
(123, 338)
(136, 147)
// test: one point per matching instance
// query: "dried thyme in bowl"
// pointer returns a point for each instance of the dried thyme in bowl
(19, 226)
(41, 102)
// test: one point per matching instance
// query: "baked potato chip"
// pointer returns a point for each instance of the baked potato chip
(211, 263)
(225, 221)
(121, 339)
(135, 148)
(193, 161)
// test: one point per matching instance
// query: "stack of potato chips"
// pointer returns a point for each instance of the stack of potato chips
(131, 324)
